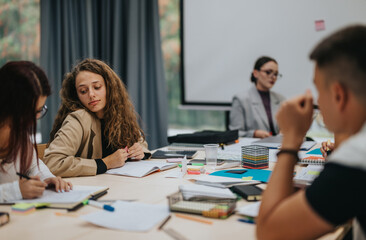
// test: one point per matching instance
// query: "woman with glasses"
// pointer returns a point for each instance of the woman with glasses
(96, 127)
(253, 111)
(23, 92)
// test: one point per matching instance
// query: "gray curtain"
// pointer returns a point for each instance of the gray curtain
(123, 33)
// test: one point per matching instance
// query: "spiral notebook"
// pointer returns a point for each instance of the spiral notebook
(313, 160)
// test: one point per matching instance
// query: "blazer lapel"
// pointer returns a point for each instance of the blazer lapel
(275, 105)
(258, 106)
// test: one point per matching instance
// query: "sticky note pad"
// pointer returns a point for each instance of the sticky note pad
(23, 208)
(247, 178)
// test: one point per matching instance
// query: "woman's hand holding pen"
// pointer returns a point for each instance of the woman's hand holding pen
(31, 188)
(326, 148)
(136, 152)
(58, 184)
(116, 159)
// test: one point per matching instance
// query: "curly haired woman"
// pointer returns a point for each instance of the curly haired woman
(96, 127)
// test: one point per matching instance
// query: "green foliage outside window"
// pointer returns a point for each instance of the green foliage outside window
(19, 30)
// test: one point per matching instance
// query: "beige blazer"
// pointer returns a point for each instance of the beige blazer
(248, 113)
(76, 145)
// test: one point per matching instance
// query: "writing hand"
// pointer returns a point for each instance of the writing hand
(326, 146)
(32, 188)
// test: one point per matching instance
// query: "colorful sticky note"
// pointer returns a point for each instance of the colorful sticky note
(313, 173)
(247, 178)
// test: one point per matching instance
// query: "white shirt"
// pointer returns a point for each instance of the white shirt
(9, 180)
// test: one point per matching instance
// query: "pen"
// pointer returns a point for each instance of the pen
(165, 221)
(328, 149)
(23, 176)
(193, 218)
(101, 205)
(246, 221)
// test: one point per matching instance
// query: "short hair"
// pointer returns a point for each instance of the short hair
(258, 64)
(22, 83)
(342, 56)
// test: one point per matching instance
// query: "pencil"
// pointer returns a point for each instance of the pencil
(23, 176)
(193, 218)
(165, 221)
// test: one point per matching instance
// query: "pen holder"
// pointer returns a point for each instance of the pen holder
(254, 157)
(212, 208)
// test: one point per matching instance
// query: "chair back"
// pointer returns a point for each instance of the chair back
(40, 149)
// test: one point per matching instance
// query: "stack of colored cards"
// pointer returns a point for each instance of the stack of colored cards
(23, 208)
(254, 157)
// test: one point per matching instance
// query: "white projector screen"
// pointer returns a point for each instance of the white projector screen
(221, 40)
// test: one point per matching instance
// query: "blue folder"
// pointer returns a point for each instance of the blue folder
(257, 174)
(315, 151)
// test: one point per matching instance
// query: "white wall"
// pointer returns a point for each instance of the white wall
(223, 38)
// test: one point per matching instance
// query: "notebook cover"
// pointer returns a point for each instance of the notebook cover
(248, 192)
(256, 174)
(159, 154)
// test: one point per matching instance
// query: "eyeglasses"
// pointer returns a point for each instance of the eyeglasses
(271, 73)
(42, 112)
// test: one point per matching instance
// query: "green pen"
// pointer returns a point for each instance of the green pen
(192, 164)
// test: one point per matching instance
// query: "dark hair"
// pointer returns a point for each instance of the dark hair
(342, 56)
(259, 63)
(22, 83)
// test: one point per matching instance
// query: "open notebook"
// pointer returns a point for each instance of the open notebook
(68, 200)
(141, 168)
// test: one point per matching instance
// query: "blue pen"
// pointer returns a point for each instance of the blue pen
(101, 205)
(246, 221)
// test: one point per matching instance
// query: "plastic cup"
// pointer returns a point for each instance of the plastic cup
(211, 155)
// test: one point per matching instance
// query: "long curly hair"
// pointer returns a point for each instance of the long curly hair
(119, 113)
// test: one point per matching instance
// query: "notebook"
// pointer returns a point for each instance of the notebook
(307, 175)
(186, 146)
(173, 154)
(222, 182)
(200, 192)
(141, 168)
(248, 174)
(67, 200)
(313, 160)
(248, 192)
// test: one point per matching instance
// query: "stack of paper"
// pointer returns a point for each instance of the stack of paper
(250, 210)
(200, 192)
(129, 216)
(307, 175)
(222, 182)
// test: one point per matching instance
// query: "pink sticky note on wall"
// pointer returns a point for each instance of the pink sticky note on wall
(319, 25)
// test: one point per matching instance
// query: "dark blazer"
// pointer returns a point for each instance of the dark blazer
(248, 113)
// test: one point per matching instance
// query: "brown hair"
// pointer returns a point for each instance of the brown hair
(119, 113)
(22, 83)
(342, 56)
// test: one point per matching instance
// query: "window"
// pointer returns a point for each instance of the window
(20, 32)
(180, 120)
